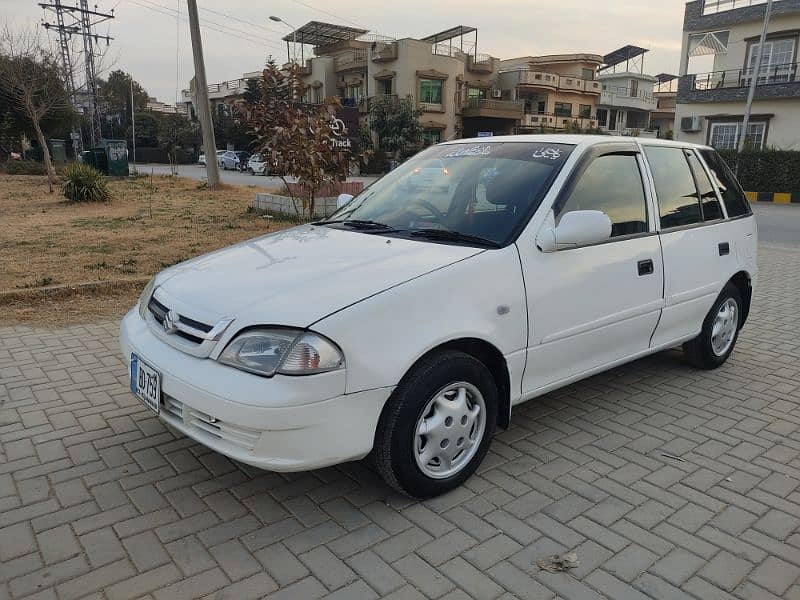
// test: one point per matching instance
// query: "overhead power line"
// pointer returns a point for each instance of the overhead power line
(208, 24)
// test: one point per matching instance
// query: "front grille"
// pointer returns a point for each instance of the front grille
(241, 437)
(159, 312)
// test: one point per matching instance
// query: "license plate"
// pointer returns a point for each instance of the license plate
(145, 383)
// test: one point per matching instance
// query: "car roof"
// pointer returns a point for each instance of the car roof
(574, 139)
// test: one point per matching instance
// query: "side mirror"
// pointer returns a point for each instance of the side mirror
(343, 199)
(577, 228)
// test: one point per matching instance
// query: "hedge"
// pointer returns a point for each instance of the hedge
(159, 155)
(766, 170)
(25, 167)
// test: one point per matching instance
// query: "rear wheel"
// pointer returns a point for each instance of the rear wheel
(437, 426)
(720, 331)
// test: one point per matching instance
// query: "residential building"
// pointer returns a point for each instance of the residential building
(710, 105)
(221, 96)
(626, 100)
(460, 91)
(662, 117)
(558, 91)
(154, 105)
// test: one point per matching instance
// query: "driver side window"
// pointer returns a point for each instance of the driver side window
(611, 184)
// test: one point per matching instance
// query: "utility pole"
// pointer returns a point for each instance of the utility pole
(79, 20)
(748, 107)
(133, 129)
(201, 96)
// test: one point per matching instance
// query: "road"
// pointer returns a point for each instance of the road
(232, 177)
(778, 224)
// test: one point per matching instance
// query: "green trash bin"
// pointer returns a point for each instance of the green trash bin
(58, 151)
(115, 154)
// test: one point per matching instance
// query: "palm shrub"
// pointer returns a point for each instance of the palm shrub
(84, 183)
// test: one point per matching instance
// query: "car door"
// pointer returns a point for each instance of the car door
(592, 306)
(699, 253)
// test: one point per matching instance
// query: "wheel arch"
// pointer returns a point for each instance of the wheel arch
(494, 360)
(743, 283)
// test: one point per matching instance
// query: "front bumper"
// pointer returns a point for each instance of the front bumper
(280, 423)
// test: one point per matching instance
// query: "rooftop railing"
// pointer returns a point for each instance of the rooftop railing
(712, 7)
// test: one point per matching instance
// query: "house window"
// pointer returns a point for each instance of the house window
(776, 61)
(634, 88)
(431, 136)
(385, 86)
(563, 109)
(587, 73)
(725, 136)
(353, 91)
(585, 111)
(430, 91)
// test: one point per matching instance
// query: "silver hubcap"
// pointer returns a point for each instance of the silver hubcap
(450, 430)
(724, 328)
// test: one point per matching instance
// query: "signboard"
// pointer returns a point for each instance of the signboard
(485, 134)
(344, 122)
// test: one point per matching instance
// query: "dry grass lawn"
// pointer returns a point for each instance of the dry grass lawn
(148, 225)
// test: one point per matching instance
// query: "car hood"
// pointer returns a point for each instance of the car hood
(298, 276)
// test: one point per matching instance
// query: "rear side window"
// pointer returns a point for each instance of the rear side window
(708, 197)
(729, 188)
(677, 196)
(611, 184)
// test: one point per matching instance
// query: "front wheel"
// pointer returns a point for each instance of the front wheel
(720, 331)
(437, 426)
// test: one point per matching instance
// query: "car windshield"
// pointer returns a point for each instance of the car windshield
(483, 191)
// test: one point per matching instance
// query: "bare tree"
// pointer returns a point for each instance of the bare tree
(31, 81)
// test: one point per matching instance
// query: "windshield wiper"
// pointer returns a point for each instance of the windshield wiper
(454, 236)
(357, 224)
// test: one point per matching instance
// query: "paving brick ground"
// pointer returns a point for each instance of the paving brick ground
(668, 482)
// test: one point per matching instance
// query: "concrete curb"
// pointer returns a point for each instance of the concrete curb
(50, 292)
(774, 197)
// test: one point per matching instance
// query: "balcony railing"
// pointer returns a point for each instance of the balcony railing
(712, 7)
(738, 78)
(557, 121)
(628, 92)
(478, 107)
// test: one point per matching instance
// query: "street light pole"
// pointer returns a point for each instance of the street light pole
(201, 93)
(294, 35)
(748, 107)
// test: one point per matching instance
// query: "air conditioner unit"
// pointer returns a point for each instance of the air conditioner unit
(691, 124)
(497, 93)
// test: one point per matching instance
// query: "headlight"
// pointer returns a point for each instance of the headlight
(286, 351)
(144, 297)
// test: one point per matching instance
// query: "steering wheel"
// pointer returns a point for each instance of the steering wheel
(437, 214)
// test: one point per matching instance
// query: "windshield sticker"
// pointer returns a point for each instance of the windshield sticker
(479, 150)
(547, 152)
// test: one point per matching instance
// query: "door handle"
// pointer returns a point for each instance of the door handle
(646, 267)
(724, 248)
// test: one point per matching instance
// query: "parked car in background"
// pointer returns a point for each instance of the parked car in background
(257, 165)
(201, 160)
(234, 159)
(408, 324)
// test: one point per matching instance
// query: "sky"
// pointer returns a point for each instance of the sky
(152, 42)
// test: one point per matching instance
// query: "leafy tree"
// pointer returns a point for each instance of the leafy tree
(30, 81)
(297, 139)
(176, 131)
(396, 122)
(115, 94)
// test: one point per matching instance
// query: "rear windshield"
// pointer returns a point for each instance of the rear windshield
(725, 180)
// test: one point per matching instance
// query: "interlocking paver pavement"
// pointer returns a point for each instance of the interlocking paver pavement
(668, 482)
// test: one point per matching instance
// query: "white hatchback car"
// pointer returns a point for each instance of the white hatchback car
(408, 324)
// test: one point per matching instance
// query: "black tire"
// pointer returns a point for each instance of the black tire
(699, 351)
(394, 439)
